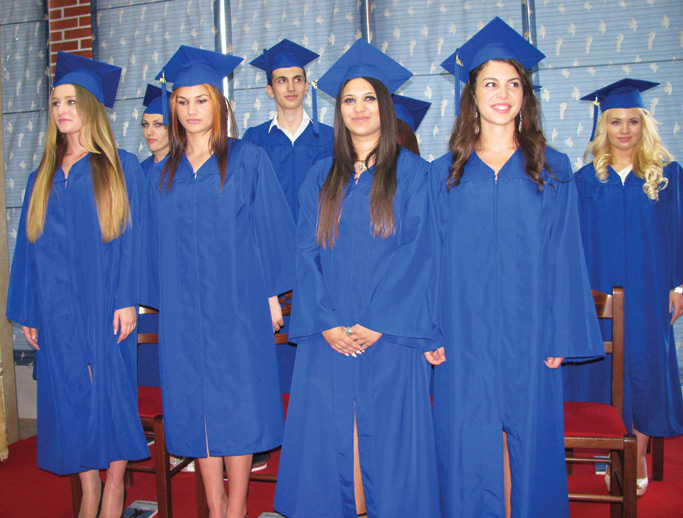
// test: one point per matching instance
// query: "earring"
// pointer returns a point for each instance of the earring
(520, 122)
(476, 122)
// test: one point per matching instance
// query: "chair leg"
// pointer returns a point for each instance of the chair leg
(162, 467)
(630, 470)
(569, 453)
(76, 494)
(657, 458)
(202, 506)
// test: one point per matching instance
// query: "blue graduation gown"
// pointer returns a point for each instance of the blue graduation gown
(511, 290)
(214, 257)
(291, 161)
(633, 242)
(68, 285)
(380, 284)
(148, 354)
(147, 164)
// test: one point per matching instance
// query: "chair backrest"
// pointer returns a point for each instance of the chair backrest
(153, 338)
(612, 307)
(147, 338)
(286, 303)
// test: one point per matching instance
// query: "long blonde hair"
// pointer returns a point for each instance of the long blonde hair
(649, 159)
(109, 184)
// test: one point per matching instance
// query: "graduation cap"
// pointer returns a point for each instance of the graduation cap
(190, 66)
(100, 79)
(496, 40)
(154, 101)
(361, 60)
(624, 93)
(409, 110)
(283, 55)
(364, 60)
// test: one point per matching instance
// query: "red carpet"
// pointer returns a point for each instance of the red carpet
(26, 491)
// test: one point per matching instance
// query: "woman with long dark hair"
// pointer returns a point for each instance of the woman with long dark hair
(359, 432)
(631, 210)
(512, 296)
(220, 233)
(73, 287)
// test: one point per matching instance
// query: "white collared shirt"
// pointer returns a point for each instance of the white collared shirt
(304, 122)
(624, 173)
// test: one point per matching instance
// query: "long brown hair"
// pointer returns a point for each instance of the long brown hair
(406, 137)
(219, 141)
(331, 200)
(109, 184)
(530, 139)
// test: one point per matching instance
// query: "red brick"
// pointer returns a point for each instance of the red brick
(56, 14)
(85, 44)
(76, 34)
(56, 36)
(62, 3)
(66, 46)
(69, 23)
(82, 2)
(85, 21)
(80, 10)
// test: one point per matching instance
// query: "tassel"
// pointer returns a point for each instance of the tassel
(596, 110)
(164, 98)
(316, 125)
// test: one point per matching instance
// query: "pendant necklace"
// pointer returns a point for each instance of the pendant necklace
(361, 167)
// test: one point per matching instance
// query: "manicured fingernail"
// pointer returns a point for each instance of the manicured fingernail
(354, 355)
(347, 354)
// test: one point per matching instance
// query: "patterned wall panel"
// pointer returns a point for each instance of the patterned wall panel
(141, 37)
(420, 35)
(327, 28)
(591, 44)
(23, 32)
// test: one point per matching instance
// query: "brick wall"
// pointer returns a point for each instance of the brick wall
(70, 28)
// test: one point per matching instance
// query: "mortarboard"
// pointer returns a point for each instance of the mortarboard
(100, 79)
(496, 40)
(361, 60)
(409, 110)
(190, 66)
(364, 60)
(154, 101)
(624, 93)
(283, 55)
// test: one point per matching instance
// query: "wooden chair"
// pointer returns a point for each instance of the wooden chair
(657, 447)
(202, 506)
(152, 419)
(599, 426)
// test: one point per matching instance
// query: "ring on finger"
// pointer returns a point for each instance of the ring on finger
(348, 331)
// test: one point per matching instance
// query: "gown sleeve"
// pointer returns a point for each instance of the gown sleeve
(572, 331)
(127, 290)
(313, 311)
(273, 227)
(398, 307)
(148, 273)
(676, 185)
(22, 301)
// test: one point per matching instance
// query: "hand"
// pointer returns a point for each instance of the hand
(276, 313)
(125, 319)
(31, 335)
(340, 341)
(675, 305)
(364, 337)
(553, 362)
(436, 357)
